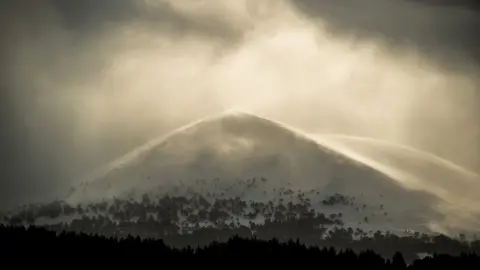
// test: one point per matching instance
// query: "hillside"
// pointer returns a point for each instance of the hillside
(237, 170)
(230, 147)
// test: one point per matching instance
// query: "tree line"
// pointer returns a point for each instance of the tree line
(17, 242)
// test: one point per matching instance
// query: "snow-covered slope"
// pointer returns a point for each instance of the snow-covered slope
(419, 170)
(235, 146)
(231, 146)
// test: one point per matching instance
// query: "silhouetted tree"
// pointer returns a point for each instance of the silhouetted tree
(398, 262)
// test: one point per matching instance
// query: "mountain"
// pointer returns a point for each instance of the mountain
(239, 171)
(230, 146)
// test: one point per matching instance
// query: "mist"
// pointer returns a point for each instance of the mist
(86, 81)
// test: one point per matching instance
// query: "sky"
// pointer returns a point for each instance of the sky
(82, 82)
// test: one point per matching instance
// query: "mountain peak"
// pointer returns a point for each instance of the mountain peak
(231, 145)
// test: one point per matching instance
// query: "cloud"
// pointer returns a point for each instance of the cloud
(443, 30)
(56, 107)
(85, 81)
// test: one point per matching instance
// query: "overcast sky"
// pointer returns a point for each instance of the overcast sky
(85, 81)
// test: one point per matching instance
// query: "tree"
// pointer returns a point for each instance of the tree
(398, 262)
(365, 219)
(463, 237)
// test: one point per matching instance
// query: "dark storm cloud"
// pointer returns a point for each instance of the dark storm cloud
(446, 31)
(92, 16)
(470, 4)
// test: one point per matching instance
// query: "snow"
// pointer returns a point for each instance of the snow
(234, 148)
(197, 151)
(420, 171)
